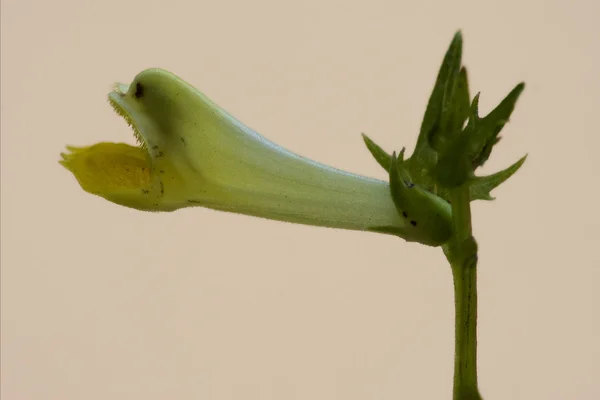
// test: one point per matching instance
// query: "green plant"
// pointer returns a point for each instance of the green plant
(193, 153)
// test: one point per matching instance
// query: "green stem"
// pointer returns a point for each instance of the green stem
(461, 214)
(465, 340)
(462, 254)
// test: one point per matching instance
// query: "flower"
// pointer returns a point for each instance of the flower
(193, 153)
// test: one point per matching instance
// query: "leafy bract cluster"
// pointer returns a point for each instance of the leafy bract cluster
(454, 140)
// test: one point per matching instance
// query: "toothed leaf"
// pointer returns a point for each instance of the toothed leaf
(462, 102)
(439, 107)
(481, 186)
(454, 140)
(485, 133)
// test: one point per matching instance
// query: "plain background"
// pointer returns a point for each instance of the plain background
(102, 302)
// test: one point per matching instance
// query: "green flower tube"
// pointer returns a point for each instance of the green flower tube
(193, 153)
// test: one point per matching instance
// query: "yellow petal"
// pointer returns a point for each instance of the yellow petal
(116, 171)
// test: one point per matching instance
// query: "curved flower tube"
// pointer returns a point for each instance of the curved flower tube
(193, 153)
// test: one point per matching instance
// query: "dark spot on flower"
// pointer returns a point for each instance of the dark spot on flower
(413, 223)
(139, 91)
(404, 214)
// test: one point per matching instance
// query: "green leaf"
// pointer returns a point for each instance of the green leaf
(454, 166)
(472, 148)
(462, 102)
(439, 107)
(383, 158)
(454, 140)
(481, 186)
(398, 182)
(450, 104)
(485, 131)
(447, 110)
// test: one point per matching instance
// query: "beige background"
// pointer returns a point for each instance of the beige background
(102, 302)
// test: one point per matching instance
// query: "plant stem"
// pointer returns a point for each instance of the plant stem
(465, 340)
(462, 254)
(461, 214)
